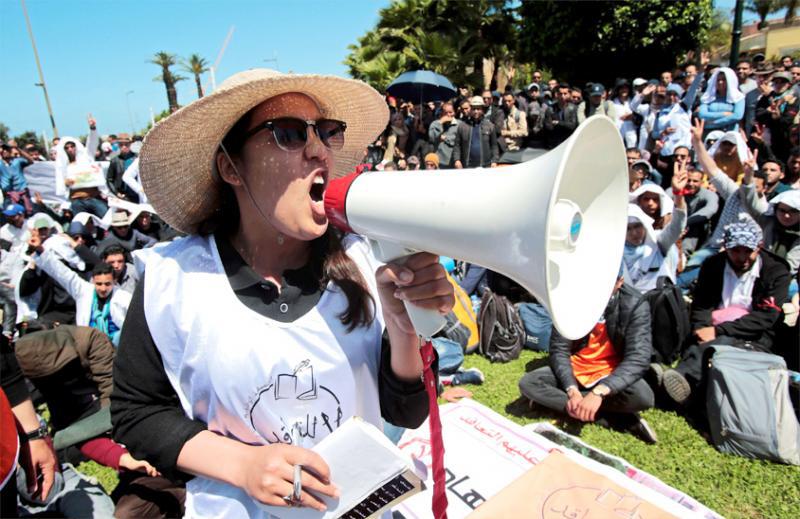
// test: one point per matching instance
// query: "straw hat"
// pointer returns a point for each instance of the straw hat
(177, 160)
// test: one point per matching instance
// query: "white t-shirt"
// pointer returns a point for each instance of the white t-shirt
(250, 377)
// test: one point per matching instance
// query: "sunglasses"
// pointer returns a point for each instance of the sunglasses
(291, 134)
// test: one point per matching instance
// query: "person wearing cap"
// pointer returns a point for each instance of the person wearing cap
(514, 125)
(599, 378)
(535, 114)
(431, 161)
(117, 167)
(261, 332)
(476, 139)
(442, 134)
(597, 104)
(14, 231)
(734, 207)
(778, 111)
(413, 163)
(737, 301)
(124, 235)
(561, 118)
(642, 172)
(722, 105)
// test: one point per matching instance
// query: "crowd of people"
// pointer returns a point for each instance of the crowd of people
(714, 176)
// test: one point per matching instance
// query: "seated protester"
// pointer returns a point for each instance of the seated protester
(661, 208)
(701, 206)
(737, 302)
(98, 304)
(729, 153)
(150, 225)
(93, 229)
(125, 275)
(780, 220)
(775, 171)
(641, 172)
(14, 231)
(722, 104)
(72, 366)
(121, 234)
(62, 217)
(647, 257)
(599, 378)
(733, 210)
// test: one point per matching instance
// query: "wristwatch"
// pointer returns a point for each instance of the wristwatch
(601, 390)
(37, 434)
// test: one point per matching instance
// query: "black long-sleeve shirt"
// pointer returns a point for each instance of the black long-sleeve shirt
(145, 410)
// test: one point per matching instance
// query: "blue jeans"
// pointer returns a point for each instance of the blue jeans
(692, 269)
(89, 205)
(451, 355)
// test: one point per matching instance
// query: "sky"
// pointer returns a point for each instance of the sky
(94, 53)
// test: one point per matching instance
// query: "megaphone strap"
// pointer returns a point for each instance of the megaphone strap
(439, 504)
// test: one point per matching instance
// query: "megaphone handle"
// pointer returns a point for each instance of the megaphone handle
(426, 322)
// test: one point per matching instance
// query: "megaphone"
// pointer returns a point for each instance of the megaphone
(555, 225)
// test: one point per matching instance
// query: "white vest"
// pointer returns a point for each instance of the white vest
(250, 377)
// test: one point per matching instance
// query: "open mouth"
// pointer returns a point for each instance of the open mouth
(318, 185)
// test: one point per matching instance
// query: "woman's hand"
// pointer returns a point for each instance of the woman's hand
(128, 462)
(421, 281)
(267, 475)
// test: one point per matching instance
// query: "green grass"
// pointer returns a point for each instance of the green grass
(734, 487)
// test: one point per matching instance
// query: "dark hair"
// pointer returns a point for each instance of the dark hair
(760, 173)
(328, 260)
(102, 269)
(112, 250)
(563, 85)
(779, 162)
(637, 150)
(744, 60)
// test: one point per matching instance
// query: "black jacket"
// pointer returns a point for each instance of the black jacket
(628, 324)
(489, 151)
(116, 168)
(758, 326)
(559, 124)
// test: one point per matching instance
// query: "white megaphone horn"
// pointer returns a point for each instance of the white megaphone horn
(555, 225)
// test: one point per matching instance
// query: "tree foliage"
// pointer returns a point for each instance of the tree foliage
(598, 41)
(166, 61)
(449, 37)
(196, 66)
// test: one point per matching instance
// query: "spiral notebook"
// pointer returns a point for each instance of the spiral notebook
(371, 472)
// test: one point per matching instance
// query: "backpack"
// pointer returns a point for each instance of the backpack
(501, 330)
(748, 405)
(462, 325)
(669, 317)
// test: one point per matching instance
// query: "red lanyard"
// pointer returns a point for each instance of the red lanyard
(435, 425)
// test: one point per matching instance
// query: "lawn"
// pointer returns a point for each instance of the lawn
(733, 486)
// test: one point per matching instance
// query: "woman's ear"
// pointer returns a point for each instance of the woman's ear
(227, 169)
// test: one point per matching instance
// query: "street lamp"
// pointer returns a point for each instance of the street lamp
(128, 104)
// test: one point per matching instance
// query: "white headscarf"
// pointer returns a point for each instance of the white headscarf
(790, 198)
(733, 95)
(667, 205)
(62, 161)
(642, 265)
(741, 146)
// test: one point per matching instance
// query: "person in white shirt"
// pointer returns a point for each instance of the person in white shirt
(15, 231)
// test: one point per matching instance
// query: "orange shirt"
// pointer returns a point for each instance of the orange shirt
(597, 359)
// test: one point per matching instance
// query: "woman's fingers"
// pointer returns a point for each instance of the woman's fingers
(428, 290)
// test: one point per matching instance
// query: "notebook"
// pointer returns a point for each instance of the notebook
(371, 472)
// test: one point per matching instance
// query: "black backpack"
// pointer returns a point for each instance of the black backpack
(669, 316)
(501, 330)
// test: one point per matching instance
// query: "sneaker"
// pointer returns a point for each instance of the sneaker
(657, 372)
(642, 430)
(468, 376)
(676, 386)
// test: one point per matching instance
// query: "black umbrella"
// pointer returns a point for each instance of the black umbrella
(419, 85)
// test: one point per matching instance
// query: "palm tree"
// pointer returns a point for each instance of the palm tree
(166, 60)
(196, 66)
(791, 7)
(762, 8)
